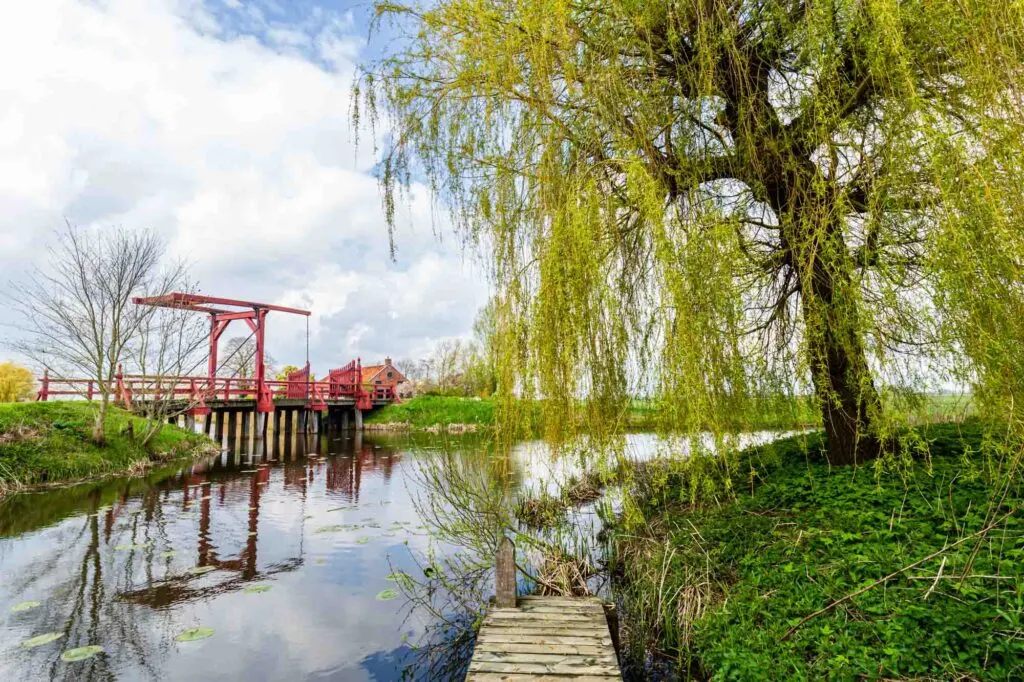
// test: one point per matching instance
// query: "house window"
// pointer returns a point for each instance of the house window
(391, 375)
(378, 381)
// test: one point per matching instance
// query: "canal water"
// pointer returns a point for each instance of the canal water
(279, 560)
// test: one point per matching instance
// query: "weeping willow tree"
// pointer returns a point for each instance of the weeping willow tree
(719, 200)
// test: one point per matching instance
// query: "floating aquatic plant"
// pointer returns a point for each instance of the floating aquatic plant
(167, 554)
(256, 589)
(81, 653)
(40, 640)
(127, 547)
(192, 634)
(386, 595)
(402, 578)
(24, 606)
(199, 570)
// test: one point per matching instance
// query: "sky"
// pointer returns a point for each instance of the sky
(224, 125)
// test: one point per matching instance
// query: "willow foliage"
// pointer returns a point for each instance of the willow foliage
(716, 201)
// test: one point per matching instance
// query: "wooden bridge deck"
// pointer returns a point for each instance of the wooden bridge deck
(552, 639)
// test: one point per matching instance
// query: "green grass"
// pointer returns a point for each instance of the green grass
(50, 442)
(719, 587)
(428, 410)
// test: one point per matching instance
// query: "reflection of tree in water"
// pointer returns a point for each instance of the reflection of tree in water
(92, 585)
(467, 498)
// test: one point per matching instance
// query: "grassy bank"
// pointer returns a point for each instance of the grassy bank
(736, 590)
(49, 442)
(428, 411)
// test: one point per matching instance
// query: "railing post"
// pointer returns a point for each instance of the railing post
(89, 390)
(505, 575)
(44, 387)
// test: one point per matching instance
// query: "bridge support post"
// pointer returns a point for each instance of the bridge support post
(261, 425)
(207, 423)
(246, 424)
(359, 420)
(190, 422)
(344, 420)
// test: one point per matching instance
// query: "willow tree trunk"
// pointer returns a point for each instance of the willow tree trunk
(842, 377)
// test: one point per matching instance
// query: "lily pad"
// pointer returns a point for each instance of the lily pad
(192, 634)
(40, 640)
(362, 541)
(307, 517)
(402, 578)
(169, 553)
(257, 589)
(125, 548)
(386, 595)
(81, 653)
(24, 606)
(199, 570)
(332, 529)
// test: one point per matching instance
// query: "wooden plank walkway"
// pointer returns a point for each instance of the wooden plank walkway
(545, 639)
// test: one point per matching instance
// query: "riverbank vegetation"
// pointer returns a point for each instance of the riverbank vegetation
(428, 411)
(911, 569)
(53, 442)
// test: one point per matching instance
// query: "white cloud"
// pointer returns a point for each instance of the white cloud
(229, 134)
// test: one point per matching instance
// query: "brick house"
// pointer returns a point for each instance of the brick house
(383, 376)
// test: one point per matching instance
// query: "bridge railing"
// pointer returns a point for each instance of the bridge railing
(128, 388)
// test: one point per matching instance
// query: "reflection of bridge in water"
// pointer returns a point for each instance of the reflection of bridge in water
(217, 483)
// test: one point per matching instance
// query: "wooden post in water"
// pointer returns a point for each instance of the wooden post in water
(505, 575)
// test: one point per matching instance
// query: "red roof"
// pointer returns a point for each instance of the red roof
(370, 371)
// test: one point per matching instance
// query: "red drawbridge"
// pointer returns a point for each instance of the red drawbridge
(342, 386)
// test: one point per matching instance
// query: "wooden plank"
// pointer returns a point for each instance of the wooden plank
(543, 624)
(541, 648)
(547, 659)
(505, 677)
(502, 614)
(542, 668)
(542, 638)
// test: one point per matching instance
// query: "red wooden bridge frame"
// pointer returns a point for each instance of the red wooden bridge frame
(344, 383)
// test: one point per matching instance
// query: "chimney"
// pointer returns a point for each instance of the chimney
(387, 361)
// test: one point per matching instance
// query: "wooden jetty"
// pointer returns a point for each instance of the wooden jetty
(542, 639)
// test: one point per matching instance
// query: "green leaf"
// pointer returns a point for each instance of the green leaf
(362, 541)
(192, 634)
(199, 570)
(24, 606)
(402, 578)
(125, 548)
(386, 595)
(168, 553)
(39, 640)
(257, 589)
(81, 653)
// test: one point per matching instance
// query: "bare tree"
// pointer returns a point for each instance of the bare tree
(240, 359)
(78, 315)
(171, 343)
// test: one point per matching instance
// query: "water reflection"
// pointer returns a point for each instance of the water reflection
(130, 564)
